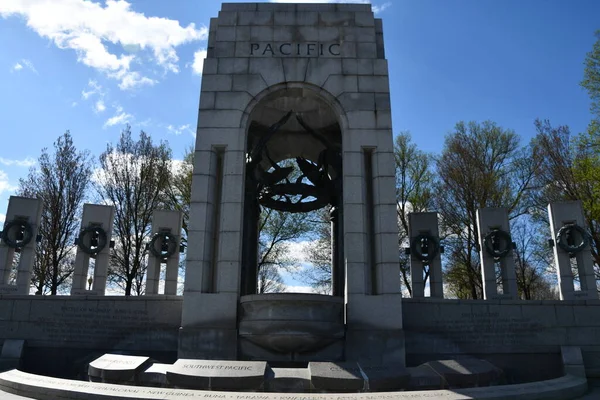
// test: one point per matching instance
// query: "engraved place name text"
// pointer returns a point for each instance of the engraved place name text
(311, 49)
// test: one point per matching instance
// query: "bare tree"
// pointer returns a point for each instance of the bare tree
(179, 190)
(318, 254)
(569, 169)
(270, 280)
(178, 197)
(533, 260)
(276, 230)
(414, 193)
(481, 165)
(554, 177)
(133, 178)
(61, 181)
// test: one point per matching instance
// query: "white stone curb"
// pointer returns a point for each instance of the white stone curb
(43, 388)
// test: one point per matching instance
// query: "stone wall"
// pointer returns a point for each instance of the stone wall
(528, 332)
(62, 332)
(120, 323)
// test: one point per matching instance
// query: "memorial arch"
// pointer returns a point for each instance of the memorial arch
(294, 165)
(316, 94)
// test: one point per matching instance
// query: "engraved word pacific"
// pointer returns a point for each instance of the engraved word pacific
(288, 49)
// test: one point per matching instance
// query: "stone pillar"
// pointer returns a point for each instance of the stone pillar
(165, 223)
(250, 245)
(496, 246)
(374, 302)
(29, 211)
(337, 251)
(213, 259)
(94, 215)
(563, 215)
(425, 225)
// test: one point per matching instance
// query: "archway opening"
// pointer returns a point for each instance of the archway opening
(293, 195)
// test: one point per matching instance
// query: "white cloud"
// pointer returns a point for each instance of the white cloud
(26, 162)
(5, 186)
(2, 218)
(198, 63)
(100, 107)
(120, 118)
(179, 130)
(29, 65)
(145, 123)
(299, 289)
(381, 8)
(297, 250)
(24, 63)
(376, 8)
(176, 165)
(94, 89)
(133, 80)
(88, 27)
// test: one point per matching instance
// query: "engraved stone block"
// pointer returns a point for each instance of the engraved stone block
(217, 375)
(336, 377)
(115, 368)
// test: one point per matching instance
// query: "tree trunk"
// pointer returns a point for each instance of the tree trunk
(406, 282)
(54, 286)
(128, 286)
(40, 284)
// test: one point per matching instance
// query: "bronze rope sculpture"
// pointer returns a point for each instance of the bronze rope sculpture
(276, 191)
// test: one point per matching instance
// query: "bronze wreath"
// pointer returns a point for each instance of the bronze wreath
(165, 238)
(495, 236)
(564, 234)
(101, 237)
(25, 228)
(425, 240)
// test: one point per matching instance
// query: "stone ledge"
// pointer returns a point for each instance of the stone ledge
(42, 387)
(159, 297)
(232, 7)
(498, 302)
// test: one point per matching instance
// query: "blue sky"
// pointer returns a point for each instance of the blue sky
(91, 67)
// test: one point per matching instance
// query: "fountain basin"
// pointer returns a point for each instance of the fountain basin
(291, 322)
